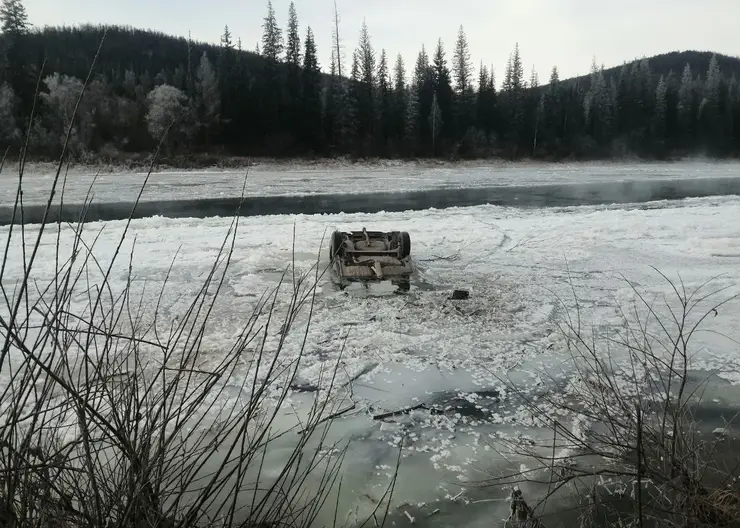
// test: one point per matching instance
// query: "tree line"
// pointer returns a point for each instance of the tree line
(277, 101)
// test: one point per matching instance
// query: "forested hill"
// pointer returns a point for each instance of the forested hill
(674, 63)
(71, 50)
(221, 99)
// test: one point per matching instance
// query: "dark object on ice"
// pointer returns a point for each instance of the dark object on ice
(363, 256)
(460, 295)
(521, 513)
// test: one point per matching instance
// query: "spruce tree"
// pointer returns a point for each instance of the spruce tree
(709, 111)
(364, 73)
(513, 100)
(293, 61)
(485, 102)
(534, 80)
(272, 48)
(385, 100)
(311, 83)
(661, 110)
(462, 66)
(14, 18)
(272, 38)
(421, 94)
(226, 75)
(435, 122)
(293, 48)
(15, 29)
(443, 90)
(400, 100)
(464, 93)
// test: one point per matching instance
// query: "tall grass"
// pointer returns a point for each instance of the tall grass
(627, 444)
(116, 413)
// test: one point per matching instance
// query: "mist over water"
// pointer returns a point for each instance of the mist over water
(532, 195)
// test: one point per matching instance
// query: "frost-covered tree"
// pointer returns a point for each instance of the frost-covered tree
(661, 109)
(709, 110)
(209, 95)
(169, 112)
(61, 96)
(553, 103)
(685, 92)
(598, 105)
(435, 122)
(411, 117)
(712, 84)
(8, 102)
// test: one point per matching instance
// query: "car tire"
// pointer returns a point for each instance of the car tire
(404, 244)
(337, 240)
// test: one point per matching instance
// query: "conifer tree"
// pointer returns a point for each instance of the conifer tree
(443, 90)
(661, 110)
(293, 48)
(293, 61)
(464, 92)
(461, 65)
(15, 29)
(435, 122)
(364, 75)
(14, 18)
(385, 101)
(400, 99)
(272, 38)
(272, 48)
(311, 95)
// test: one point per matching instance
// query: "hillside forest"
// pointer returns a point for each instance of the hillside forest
(279, 101)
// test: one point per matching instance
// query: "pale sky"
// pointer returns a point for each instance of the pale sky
(566, 33)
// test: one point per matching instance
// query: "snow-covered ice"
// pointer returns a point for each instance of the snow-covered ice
(122, 186)
(521, 268)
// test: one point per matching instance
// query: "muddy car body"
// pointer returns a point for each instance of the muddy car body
(371, 256)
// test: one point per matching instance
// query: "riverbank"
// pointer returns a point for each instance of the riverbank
(214, 162)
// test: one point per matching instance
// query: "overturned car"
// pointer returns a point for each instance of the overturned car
(366, 256)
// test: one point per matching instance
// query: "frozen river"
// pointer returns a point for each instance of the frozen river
(522, 267)
(327, 190)
(277, 180)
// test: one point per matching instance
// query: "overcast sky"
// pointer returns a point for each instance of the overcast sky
(566, 33)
